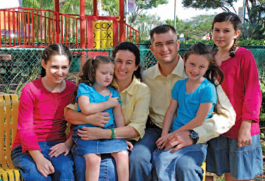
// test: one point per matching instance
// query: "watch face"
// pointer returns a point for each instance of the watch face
(194, 135)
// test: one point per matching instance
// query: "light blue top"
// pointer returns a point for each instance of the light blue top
(190, 103)
(95, 97)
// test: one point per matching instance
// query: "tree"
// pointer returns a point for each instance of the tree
(210, 4)
(194, 28)
(144, 23)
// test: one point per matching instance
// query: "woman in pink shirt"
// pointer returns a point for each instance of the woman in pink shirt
(237, 153)
(41, 123)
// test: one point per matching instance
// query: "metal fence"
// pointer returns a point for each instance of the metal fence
(21, 65)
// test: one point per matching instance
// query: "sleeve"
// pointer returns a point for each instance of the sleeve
(83, 90)
(70, 106)
(217, 124)
(209, 94)
(253, 98)
(175, 90)
(141, 111)
(116, 94)
(25, 126)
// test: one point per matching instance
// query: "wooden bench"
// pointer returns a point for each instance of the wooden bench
(8, 128)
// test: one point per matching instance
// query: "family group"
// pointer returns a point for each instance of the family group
(158, 124)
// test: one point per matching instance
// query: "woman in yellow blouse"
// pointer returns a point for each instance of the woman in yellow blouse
(135, 97)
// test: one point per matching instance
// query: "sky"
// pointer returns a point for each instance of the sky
(167, 11)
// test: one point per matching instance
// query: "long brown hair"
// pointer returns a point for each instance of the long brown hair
(214, 73)
(88, 73)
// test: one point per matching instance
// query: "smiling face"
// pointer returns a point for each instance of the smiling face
(196, 66)
(165, 47)
(124, 65)
(57, 68)
(104, 74)
(224, 34)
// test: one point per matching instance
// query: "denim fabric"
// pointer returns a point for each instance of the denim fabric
(224, 156)
(170, 166)
(63, 165)
(107, 168)
(102, 146)
(141, 155)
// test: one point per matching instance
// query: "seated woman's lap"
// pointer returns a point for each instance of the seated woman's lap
(63, 165)
(107, 168)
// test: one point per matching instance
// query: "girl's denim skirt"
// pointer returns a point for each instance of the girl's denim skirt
(102, 146)
(224, 156)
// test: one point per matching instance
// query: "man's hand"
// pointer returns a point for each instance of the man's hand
(178, 140)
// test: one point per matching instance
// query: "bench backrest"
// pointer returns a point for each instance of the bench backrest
(8, 127)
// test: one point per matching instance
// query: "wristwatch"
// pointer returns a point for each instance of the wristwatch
(194, 136)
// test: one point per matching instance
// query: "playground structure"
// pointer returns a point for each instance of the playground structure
(37, 28)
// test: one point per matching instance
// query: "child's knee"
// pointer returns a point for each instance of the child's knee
(121, 155)
(92, 160)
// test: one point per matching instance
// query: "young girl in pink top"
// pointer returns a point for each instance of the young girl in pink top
(41, 123)
(237, 153)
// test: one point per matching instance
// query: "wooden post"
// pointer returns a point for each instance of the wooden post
(57, 10)
(122, 30)
(82, 30)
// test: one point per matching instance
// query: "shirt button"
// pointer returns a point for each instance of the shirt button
(55, 106)
(54, 111)
(55, 99)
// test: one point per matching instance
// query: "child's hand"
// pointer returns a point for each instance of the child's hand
(58, 149)
(162, 141)
(129, 145)
(244, 135)
(113, 101)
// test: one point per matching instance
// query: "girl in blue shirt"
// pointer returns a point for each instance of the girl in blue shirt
(194, 99)
(95, 94)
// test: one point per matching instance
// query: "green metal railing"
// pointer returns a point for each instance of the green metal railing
(24, 64)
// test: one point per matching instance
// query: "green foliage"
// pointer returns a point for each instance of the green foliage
(144, 5)
(207, 4)
(194, 28)
(144, 23)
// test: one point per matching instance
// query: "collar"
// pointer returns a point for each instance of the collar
(130, 88)
(178, 70)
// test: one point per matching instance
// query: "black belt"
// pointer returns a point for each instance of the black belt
(150, 124)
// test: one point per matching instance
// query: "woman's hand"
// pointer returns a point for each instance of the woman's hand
(161, 142)
(92, 133)
(100, 119)
(244, 135)
(60, 148)
(129, 145)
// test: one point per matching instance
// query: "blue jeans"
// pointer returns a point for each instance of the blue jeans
(141, 155)
(182, 165)
(63, 165)
(107, 168)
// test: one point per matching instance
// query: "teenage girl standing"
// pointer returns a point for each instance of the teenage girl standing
(237, 153)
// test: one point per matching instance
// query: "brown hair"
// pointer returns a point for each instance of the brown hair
(213, 73)
(54, 49)
(88, 73)
(162, 29)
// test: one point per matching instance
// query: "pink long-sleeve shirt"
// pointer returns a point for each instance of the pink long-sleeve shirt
(41, 115)
(241, 85)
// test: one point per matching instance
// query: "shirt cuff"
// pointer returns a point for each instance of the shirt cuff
(139, 128)
(254, 116)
